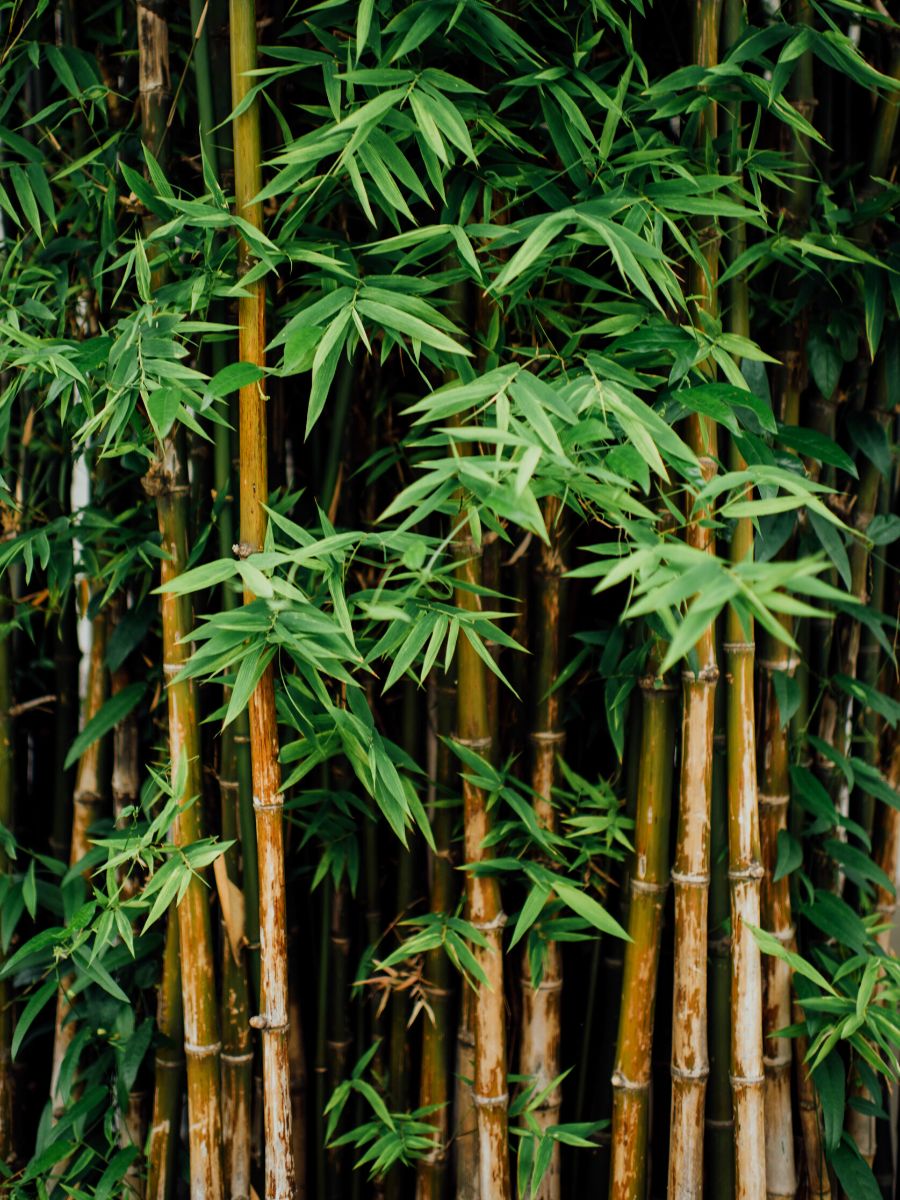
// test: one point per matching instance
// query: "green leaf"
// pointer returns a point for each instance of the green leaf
(790, 855)
(234, 376)
(829, 1080)
(115, 709)
(854, 1173)
(324, 366)
(588, 908)
(31, 1011)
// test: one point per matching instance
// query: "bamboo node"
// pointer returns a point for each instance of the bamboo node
(687, 879)
(708, 674)
(712, 1123)
(489, 926)
(548, 736)
(739, 647)
(206, 1051)
(263, 1023)
(500, 1101)
(480, 743)
(752, 871)
(655, 683)
(237, 1058)
(648, 888)
(228, 785)
(267, 805)
(773, 799)
(788, 665)
(741, 1081)
(690, 1073)
(621, 1081)
(546, 985)
(783, 935)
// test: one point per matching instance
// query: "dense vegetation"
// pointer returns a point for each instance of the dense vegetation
(448, 490)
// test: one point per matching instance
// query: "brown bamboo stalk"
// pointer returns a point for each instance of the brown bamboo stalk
(267, 799)
(648, 884)
(434, 1083)
(87, 803)
(887, 855)
(541, 1006)
(690, 874)
(483, 903)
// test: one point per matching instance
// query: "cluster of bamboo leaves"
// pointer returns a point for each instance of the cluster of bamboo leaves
(486, 230)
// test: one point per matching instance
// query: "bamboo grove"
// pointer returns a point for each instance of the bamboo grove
(449, 599)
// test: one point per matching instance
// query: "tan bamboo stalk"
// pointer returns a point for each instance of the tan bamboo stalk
(87, 803)
(132, 1132)
(690, 874)
(7, 795)
(267, 799)
(648, 883)
(541, 1033)
(168, 1064)
(434, 1083)
(483, 904)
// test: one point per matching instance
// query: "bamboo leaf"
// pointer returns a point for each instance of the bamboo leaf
(114, 710)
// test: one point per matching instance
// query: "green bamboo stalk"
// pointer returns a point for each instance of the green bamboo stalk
(268, 801)
(648, 884)
(539, 1057)
(690, 874)
(434, 1082)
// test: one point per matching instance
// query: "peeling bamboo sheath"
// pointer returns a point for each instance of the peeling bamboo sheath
(648, 885)
(254, 493)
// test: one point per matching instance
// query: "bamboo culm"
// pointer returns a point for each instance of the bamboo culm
(266, 772)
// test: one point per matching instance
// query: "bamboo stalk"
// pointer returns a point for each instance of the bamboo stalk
(719, 1151)
(267, 799)
(167, 483)
(168, 1062)
(745, 868)
(690, 874)
(648, 885)
(237, 1048)
(7, 815)
(434, 1082)
(483, 904)
(539, 1058)
(87, 802)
